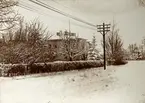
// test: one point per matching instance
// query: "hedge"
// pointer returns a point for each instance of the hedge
(23, 69)
(117, 62)
(120, 62)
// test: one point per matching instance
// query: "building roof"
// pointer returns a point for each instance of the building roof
(62, 39)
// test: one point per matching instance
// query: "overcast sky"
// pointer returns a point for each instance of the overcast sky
(130, 18)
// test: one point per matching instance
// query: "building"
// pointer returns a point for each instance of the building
(66, 49)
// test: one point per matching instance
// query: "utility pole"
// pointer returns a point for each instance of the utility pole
(103, 29)
(69, 27)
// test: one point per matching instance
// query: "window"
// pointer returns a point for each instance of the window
(55, 46)
(49, 45)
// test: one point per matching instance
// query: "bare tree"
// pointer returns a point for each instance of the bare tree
(36, 36)
(133, 50)
(72, 47)
(137, 51)
(27, 45)
(21, 33)
(141, 3)
(114, 44)
(143, 41)
(8, 16)
(142, 48)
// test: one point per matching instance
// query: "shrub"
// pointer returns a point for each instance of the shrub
(120, 62)
(19, 69)
(16, 70)
(0, 72)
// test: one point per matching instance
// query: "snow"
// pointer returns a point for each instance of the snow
(117, 84)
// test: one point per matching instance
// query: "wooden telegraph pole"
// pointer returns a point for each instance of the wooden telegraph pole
(103, 29)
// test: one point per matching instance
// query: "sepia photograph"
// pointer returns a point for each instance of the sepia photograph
(72, 51)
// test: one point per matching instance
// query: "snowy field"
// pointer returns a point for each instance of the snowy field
(118, 84)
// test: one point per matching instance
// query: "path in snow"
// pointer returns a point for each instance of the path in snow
(118, 84)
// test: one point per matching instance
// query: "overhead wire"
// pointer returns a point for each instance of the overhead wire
(26, 7)
(31, 8)
(60, 4)
(60, 12)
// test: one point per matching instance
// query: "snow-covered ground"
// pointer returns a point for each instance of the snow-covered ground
(117, 84)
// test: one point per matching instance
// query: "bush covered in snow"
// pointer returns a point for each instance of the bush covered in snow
(117, 62)
(120, 62)
(93, 53)
(21, 69)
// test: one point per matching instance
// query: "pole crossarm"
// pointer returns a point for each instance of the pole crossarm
(103, 29)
